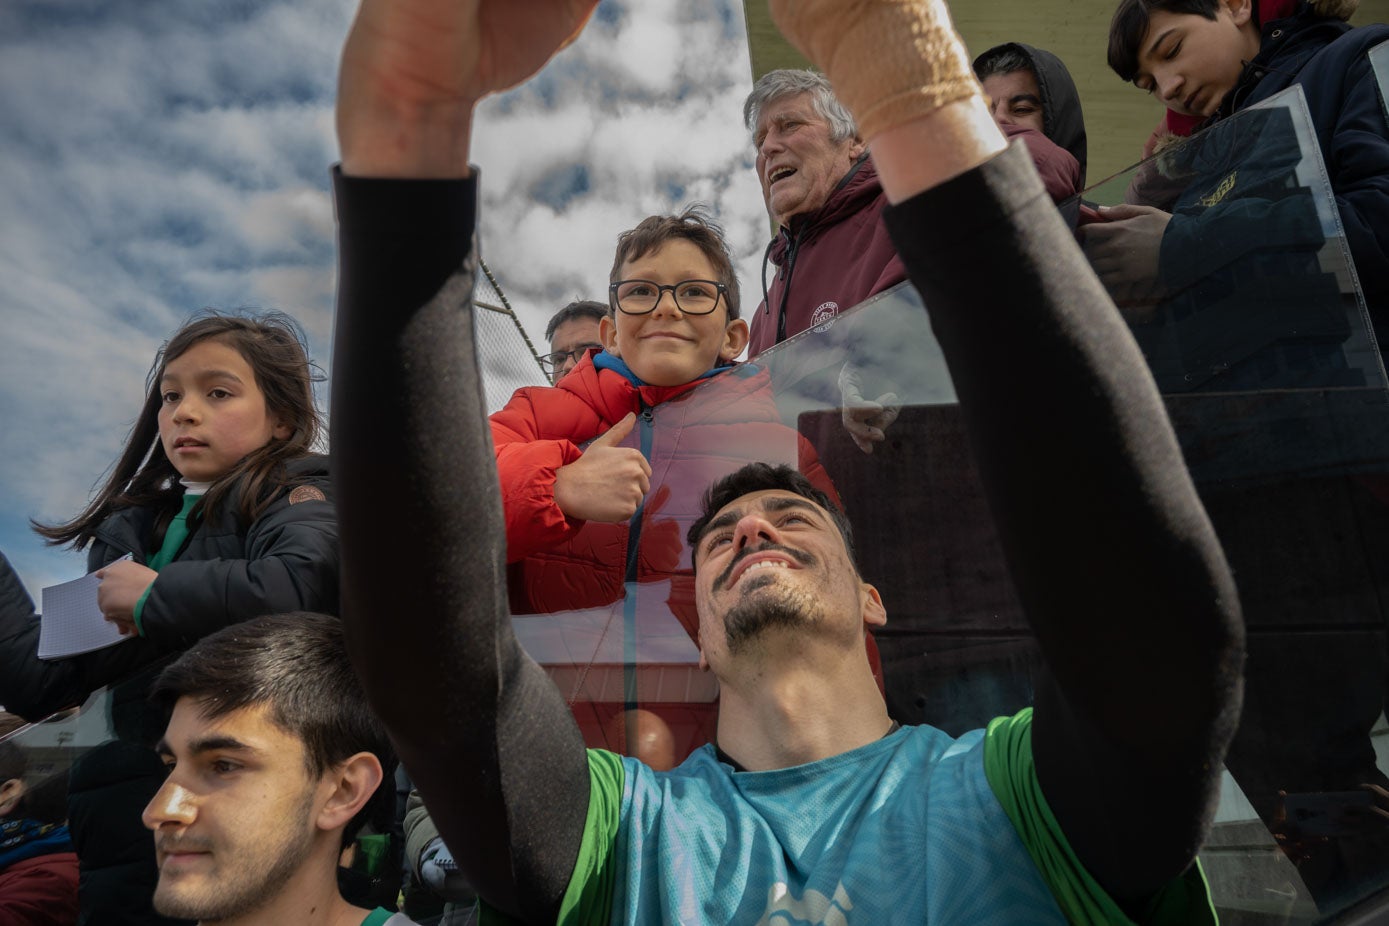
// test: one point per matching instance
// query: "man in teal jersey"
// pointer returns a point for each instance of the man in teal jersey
(814, 807)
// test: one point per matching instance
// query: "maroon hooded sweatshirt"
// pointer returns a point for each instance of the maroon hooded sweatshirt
(827, 261)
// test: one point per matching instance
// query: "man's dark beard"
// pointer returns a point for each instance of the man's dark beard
(755, 614)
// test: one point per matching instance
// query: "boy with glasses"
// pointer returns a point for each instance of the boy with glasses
(587, 523)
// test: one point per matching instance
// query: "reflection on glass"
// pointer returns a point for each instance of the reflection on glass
(1228, 259)
(1257, 333)
(1379, 60)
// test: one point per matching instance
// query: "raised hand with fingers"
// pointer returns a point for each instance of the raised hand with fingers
(866, 420)
(412, 71)
(608, 482)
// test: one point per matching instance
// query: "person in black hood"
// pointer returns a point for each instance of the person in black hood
(1032, 96)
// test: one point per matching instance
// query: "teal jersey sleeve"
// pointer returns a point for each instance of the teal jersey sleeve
(1012, 776)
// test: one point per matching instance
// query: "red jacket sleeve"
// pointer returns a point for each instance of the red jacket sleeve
(526, 467)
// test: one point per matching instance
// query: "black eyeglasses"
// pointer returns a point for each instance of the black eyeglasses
(640, 297)
(551, 363)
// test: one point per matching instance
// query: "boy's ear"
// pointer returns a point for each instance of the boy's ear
(607, 333)
(735, 339)
(1242, 11)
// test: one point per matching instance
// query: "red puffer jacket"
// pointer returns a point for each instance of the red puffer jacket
(691, 434)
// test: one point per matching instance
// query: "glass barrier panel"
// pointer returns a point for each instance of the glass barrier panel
(1261, 341)
(85, 777)
(1226, 255)
(1379, 60)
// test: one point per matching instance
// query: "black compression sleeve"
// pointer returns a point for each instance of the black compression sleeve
(1115, 562)
(481, 729)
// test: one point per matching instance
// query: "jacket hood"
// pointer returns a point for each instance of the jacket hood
(1062, 119)
(856, 190)
(1286, 45)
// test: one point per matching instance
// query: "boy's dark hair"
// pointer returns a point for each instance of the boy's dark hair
(758, 477)
(296, 665)
(692, 225)
(1002, 59)
(580, 308)
(1130, 24)
(273, 347)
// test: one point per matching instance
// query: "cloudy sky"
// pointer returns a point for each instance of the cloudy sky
(159, 157)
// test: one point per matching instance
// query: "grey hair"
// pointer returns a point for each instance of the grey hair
(788, 82)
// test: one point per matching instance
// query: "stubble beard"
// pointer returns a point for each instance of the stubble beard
(758, 612)
(244, 883)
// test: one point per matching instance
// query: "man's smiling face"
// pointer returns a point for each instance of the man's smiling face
(773, 560)
(798, 163)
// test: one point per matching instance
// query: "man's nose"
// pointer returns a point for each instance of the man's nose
(171, 804)
(754, 529)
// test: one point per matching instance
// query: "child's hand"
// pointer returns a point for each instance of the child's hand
(608, 482)
(122, 584)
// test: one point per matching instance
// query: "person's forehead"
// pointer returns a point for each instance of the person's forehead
(575, 330)
(788, 104)
(191, 729)
(1014, 82)
(1163, 27)
(677, 257)
(205, 355)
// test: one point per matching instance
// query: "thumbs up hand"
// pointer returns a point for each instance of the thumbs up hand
(608, 482)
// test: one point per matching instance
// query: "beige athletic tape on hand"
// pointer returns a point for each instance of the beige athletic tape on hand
(883, 81)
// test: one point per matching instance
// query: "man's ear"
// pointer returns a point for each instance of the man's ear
(10, 793)
(735, 339)
(857, 148)
(874, 614)
(353, 782)
(607, 333)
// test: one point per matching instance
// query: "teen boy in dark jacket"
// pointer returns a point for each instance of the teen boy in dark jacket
(1213, 58)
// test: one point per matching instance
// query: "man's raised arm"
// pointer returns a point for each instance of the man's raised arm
(482, 731)
(1113, 557)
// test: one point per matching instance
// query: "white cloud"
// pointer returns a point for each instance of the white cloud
(159, 158)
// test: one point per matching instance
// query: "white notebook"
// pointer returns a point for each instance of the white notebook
(72, 623)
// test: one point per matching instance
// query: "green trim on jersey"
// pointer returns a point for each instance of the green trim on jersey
(589, 897)
(1012, 776)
